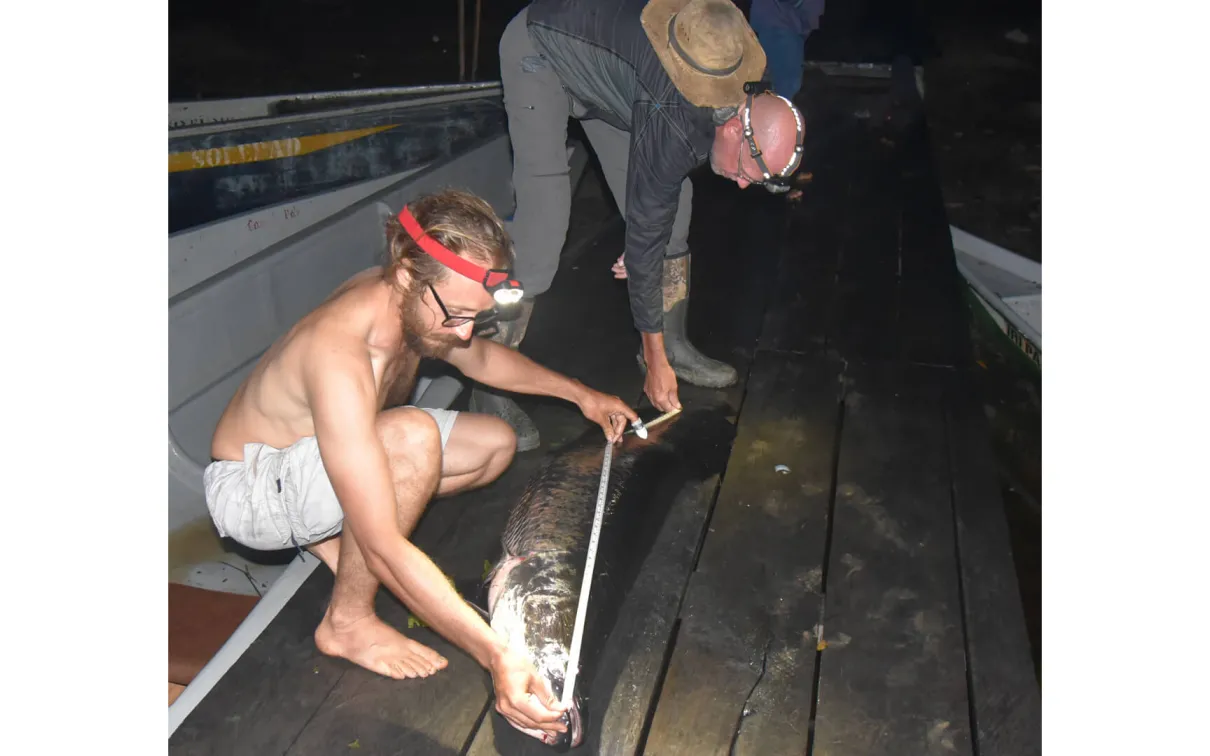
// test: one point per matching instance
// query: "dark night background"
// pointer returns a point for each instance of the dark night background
(982, 72)
(984, 89)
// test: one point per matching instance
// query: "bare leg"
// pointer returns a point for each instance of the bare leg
(328, 551)
(350, 629)
(479, 450)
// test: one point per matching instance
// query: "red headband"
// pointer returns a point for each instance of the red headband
(491, 279)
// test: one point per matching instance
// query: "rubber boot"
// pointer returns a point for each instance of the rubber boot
(510, 334)
(690, 365)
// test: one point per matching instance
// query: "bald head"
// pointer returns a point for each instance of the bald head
(775, 131)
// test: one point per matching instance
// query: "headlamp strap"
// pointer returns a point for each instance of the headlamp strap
(752, 89)
(491, 279)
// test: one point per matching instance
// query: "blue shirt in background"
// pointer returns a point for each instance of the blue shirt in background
(798, 16)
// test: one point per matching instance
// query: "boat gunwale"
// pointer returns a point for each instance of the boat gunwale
(1005, 260)
(487, 93)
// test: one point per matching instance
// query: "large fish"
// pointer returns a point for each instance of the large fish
(535, 586)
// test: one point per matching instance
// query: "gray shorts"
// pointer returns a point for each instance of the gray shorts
(282, 498)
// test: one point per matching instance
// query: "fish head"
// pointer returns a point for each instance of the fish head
(532, 604)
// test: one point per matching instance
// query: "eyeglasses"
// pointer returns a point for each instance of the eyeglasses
(505, 290)
(740, 173)
(453, 321)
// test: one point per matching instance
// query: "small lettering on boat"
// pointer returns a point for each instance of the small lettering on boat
(244, 153)
(288, 213)
(1023, 343)
(276, 149)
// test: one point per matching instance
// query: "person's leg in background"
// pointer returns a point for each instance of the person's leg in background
(784, 51)
(537, 110)
(783, 26)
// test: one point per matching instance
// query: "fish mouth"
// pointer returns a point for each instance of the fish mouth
(574, 736)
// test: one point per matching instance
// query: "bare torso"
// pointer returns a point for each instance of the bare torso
(271, 407)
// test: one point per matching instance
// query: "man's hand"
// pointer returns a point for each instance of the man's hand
(524, 698)
(660, 385)
(607, 411)
(619, 267)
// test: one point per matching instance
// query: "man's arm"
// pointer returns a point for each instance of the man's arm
(343, 400)
(661, 157)
(498, 366)
(651, 204)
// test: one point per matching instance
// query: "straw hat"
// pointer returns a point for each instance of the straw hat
(707, 48)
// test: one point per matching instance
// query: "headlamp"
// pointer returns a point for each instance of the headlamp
(505, 294)
(780, 182)
(505, 289)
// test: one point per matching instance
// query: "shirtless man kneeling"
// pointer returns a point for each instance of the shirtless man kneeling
(311, 453)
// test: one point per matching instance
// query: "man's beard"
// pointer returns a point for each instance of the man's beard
(426, 345)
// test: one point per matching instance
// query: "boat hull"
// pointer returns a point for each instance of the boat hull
(220, 171)
(1006, 287)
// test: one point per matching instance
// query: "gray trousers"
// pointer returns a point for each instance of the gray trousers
(538, 108)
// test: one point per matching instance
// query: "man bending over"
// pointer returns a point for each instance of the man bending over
(311, 453)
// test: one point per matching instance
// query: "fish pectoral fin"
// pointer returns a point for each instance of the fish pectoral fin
(482, 612)
(472, 592)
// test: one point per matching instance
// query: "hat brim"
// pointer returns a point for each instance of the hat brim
(698, 88)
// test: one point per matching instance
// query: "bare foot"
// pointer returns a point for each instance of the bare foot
(373, 644)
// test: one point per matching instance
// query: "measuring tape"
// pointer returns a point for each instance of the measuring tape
(577, 635)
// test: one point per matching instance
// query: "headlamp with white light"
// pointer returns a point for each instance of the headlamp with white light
(505, 289)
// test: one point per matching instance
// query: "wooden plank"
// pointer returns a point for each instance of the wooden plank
(264, 700)
(871, 238)
(813, 234)
(897, 321)
(1006, 696)
(927, 251)
(930, 328)
(776, 718)
(799, 317)
(735, 241)
(716, 662)
(892, 678)
(872, 217)
(625, 677)
(862, 319)
(796, 319)
(830, 130)
(741, 646)
(628, 674)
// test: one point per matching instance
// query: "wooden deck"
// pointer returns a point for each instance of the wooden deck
(862, 603)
